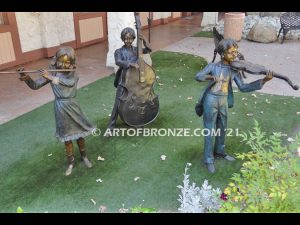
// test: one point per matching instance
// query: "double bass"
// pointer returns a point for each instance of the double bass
(139, 105)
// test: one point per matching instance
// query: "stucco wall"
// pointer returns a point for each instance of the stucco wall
(159, 15)
(29, 31)
(116, 22)
(44, 29)
(209, 18)
(65, 26)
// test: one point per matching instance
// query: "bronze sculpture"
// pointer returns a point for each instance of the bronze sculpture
(71, 124)
(217, 97)
(242, 66)
(135, 101)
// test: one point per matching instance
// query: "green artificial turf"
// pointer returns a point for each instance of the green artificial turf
(208, 34)
(32, 162)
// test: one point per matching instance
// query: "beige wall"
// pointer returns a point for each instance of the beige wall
(91, 29)
(29, 31)
(7, 53)
(176, 14)
(44, 29)
(1, 18)
(160, 15)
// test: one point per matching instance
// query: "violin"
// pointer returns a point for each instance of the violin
(245, 66)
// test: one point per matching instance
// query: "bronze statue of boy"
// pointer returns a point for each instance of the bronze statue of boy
(218, 97)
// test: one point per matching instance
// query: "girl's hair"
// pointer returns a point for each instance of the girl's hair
(65, 51)
(127, 30)
(226, 44)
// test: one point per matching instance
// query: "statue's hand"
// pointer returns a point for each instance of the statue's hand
(216, 79)
(269, 76)
(145, 42)
(19, 70)
(23, 75)
(45, 74)
(141, 36)
(213, 78)
(135, 65)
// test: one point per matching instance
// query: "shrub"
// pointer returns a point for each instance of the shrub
(269, 178)
(196, 200)
(139, 209)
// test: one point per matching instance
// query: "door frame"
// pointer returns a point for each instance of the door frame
(10, 25)
(81, 16)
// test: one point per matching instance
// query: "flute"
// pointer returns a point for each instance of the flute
(37, 71)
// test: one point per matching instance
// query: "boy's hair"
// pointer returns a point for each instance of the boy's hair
(127, 30)
(226, 44)
(69, 51)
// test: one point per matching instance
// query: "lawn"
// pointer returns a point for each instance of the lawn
(32, 162)
(208, 34)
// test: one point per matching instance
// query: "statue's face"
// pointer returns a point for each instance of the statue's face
(64, 62)
(128, 39)
(230, 54)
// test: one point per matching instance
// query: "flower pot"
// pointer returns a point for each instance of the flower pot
(233, 25)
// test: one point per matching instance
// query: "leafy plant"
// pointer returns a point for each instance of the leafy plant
(139, 209)
(269, 178)
(20, 210)
(196, 200)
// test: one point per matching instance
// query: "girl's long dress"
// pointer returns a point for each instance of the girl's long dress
(71, 123)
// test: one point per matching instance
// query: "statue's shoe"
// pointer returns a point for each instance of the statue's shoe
(69, 169)
(224, 156)
(210, 167)
(86, 162)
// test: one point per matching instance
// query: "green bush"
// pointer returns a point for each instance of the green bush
(269, 178)
(20, 210)
(139, 209)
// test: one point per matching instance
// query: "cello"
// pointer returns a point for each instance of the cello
(139, 105)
